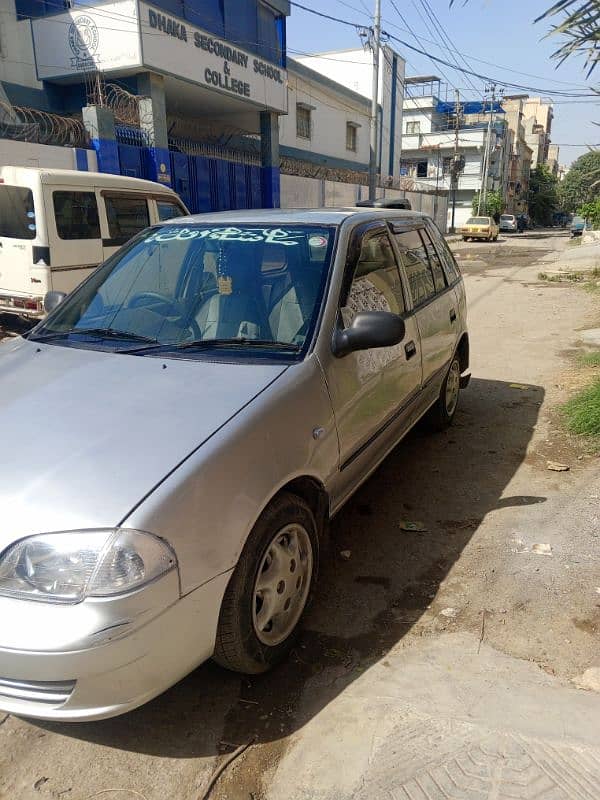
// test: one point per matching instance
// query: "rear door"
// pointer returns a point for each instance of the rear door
(73, 234)
(434, 303)
(125, 215)
(20, 231)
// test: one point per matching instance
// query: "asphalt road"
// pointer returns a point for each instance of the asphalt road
(434, 664)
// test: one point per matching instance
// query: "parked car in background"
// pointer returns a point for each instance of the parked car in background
(213, 395)
(578, 226)
(57, 225)
(508, 223)
(479, 228)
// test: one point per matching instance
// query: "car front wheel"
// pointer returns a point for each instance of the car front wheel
(270, 588)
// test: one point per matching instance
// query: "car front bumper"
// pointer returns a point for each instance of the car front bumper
(95, 674)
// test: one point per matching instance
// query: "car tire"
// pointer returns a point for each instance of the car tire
(465, 239)
(496, 238)
(441, 415)
(283, 545)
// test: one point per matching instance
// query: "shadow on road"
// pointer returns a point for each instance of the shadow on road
(364, 606)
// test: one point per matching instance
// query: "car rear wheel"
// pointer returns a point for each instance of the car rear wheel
(270, 588)
(441, 415)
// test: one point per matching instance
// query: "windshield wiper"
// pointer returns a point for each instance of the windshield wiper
(101, 333)
(207, 344)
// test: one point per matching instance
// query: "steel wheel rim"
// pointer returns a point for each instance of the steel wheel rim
(282, 584)
(452, 388)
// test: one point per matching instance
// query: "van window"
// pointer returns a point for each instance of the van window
(168, 210)
(17, 214)
(76, 215)
(126, 217)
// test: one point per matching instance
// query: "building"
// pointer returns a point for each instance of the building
(537, 117)
(194, 78)
(429, 134)
(327, 124)
(354, 69)
(520, 158)
(553, 159)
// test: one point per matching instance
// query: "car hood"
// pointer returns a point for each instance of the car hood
(86, 435)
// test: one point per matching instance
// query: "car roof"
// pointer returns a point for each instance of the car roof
(298, 216)
(75, 177)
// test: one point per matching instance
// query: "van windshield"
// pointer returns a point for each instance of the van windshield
(17, 214)
(177, 287)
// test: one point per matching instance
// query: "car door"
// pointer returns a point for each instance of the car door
(370, 388)
(434, 303)
(73, 234)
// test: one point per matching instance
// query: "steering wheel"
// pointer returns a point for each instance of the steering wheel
(152, 299)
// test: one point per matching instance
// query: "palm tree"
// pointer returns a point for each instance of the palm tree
(580, 29)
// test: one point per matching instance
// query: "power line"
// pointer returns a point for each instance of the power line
(437, 60)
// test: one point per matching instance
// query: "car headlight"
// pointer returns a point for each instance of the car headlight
(68, 567)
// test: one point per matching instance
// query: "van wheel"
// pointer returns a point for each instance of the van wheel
(270, 588)
(441, 415)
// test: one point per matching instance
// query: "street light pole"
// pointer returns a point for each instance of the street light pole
(455, 168)
(376, 42)
(487, 155)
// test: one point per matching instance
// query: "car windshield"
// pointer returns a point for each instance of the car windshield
(506, 217)
(478, 221)
(185, 286)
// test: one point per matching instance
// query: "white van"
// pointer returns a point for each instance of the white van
(57, 225)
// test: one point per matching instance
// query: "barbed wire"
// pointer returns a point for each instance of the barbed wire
(42, 127)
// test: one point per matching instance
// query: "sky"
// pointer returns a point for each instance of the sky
(499, 32)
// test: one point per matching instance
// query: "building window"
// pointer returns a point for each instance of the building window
(351, 136)
(413, 128)
(446, 165)
(303, 121)
(421, 169)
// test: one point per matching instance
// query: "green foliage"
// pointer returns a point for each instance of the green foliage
(543, 196)
(590, 359)
(493, 206)
(582, 412)
(578, 26)
(582, 183)
(591, 212)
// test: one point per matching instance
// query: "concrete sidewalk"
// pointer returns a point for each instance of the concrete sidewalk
(450, 719)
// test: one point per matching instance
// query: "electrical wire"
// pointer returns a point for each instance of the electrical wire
(437, 60)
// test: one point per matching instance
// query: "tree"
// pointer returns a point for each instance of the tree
(492, 207)
(591, 211)
(581, 184)
(543, 196)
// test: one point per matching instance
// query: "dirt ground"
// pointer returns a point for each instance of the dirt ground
(507, 564)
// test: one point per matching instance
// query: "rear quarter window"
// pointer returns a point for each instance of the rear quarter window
(17, 212)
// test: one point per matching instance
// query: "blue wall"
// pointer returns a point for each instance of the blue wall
(247, 23)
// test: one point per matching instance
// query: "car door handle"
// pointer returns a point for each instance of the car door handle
(410, 348)
(452, 315)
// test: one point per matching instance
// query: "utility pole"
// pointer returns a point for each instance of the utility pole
(375, 46)
(487, 154)
(455, 169)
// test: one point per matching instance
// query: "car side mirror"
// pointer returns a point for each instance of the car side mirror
(53, 299)
(369, 329)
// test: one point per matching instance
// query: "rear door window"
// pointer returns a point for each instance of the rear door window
(418, 270)
(17, 212)
(126, 216)
(76, 215)
(435, 262)
(448, 263)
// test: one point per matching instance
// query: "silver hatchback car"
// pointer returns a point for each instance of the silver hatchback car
(183, 426)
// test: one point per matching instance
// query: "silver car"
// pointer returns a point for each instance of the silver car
(182, 427)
